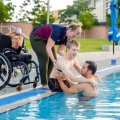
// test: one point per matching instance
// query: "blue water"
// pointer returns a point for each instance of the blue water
(68, 107)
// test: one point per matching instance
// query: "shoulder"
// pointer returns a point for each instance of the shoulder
(97, 78)
(58, 29)
(56, 26)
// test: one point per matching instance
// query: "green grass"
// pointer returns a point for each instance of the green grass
(92, 45)
(27, 44)
(86, 45)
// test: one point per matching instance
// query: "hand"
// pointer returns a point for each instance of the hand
(59, 76)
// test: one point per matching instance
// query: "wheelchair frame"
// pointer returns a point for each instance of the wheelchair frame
(5, 71)
(23, 68)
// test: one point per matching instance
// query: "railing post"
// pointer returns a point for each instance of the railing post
(48, 3)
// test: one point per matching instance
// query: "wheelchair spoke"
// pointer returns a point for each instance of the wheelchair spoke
(5, 71)
(19, 72)
(1, 78)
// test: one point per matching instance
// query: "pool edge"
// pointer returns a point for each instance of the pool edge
(14, 105)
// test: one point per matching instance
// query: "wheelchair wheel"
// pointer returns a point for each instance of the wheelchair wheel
(30, 66)
(34, 73)
(5, 71)
(20, 71)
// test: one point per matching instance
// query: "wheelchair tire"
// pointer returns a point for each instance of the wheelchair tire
(5, 71)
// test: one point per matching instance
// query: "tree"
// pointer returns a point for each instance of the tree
(11, 8)
(3, 12)
(72, 13)
(108, 20)
(37, 14)
(79, 12)
(87, 19)
(41, 17)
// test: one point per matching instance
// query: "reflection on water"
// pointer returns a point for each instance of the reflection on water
(73, 107)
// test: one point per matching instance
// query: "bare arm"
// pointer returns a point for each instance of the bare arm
(10, 33)
(20, 41)
(68, 74)
(49, 46)
(77, 66)
(60, 50)
(70, 82)
(72, 89)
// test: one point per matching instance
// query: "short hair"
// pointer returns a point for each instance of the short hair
(92, 66)
(72, 43)
(76, 27)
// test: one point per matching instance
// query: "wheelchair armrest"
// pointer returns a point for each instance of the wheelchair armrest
(24, 50)
(8, 50)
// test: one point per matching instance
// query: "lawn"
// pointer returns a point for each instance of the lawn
(92, 45)
(27, 44)
(87, 45)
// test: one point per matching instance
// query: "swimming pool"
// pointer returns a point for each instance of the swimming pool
(68, 107)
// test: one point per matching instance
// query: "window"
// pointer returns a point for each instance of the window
(107, 11)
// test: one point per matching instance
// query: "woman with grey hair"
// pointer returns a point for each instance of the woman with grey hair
(16, 39)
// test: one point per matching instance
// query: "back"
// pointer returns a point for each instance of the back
(87, 89)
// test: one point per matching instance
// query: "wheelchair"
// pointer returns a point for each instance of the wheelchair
(21, 64)
(5, 71)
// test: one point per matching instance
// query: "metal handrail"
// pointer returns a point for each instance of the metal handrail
(14, 28)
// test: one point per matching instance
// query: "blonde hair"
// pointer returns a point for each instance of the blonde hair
(74, 27)
(72, 43)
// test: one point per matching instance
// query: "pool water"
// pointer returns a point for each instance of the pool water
(69, 107)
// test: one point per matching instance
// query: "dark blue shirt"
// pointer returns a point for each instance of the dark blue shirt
(56, 32)
(59, 34)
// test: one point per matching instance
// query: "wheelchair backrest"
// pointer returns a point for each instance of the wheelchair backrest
(5, 42)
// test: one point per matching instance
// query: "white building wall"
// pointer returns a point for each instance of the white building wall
(99, 10)
(102, 8)
(106, 8)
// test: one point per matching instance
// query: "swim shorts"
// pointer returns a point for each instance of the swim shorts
(55, 86)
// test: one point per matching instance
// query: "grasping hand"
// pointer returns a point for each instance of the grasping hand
(59, 75)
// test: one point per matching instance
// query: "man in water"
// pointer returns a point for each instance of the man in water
(85, 89)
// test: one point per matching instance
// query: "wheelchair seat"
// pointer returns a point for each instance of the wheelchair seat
(14, 57)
